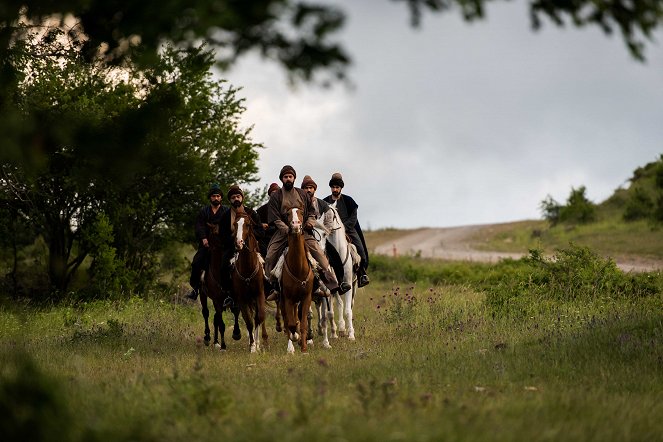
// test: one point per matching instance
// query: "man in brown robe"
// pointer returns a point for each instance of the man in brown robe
(291, 197)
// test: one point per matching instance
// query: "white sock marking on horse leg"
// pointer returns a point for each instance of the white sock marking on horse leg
(291, 347)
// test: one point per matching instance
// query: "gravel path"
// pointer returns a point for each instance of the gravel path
(452, 243)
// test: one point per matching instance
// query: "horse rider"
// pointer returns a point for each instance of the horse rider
(322, 209)
(289, 197)
(347, 210)
(268, 229)
(209, 214)
(227, 232)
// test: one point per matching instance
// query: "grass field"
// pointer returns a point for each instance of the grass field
(431, 362)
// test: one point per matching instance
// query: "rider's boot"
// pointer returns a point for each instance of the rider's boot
(318, 290)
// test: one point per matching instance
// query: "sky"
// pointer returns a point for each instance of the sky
(459, 124)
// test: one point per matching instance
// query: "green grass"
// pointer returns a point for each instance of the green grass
(432, 361)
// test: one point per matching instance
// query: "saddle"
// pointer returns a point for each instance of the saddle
(277, 271)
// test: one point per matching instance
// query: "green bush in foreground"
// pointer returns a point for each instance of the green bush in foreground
(575, 273)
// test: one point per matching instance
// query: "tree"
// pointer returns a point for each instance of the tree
(137, 145)
(550, 210)
(578, 208)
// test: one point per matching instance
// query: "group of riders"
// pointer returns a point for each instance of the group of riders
(269, 225)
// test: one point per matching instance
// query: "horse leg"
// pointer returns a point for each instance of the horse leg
(277, 317)
(331, 320)
(237, 333)
(348, 311)
(322, 312)
(285, 306)
(341, 319)
(304, 322)
(217, 318)
(248, 320)
(309, 321)
(205, 311)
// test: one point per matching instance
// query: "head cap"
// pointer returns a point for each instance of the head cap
(215, 189)
(308, 181)
(287, 169)
(235, 190)
(336, 180)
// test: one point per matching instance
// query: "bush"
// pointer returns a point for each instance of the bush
(578, 208)
(571, 274)
(639, 206)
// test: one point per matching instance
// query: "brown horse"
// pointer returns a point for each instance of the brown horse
(248, 280)
(296, 284)
(212, 288)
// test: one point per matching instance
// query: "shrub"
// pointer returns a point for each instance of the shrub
(571, 274)
(578, 208)
(639, 206)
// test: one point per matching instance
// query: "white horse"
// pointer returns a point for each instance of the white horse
(330, 229)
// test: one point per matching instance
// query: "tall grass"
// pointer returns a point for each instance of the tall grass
(436, 358)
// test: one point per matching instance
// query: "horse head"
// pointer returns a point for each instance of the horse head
(295, 220)
(242, 231)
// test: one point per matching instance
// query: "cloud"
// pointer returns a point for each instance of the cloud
(460, 123)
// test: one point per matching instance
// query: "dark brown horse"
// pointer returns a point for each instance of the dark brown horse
(248, 280)
(296, 284)
(211, 288)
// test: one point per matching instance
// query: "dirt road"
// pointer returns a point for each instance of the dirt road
(453, 243)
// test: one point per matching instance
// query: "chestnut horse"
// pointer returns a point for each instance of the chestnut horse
(296, 284)
(248, 280)
(212, 288)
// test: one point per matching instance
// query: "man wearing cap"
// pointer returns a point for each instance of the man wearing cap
(268, 229)
(347, 210)
(322, 209)
(227, 231)
(209, 214)
(291, 197)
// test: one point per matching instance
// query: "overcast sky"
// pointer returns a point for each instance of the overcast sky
(456, 123)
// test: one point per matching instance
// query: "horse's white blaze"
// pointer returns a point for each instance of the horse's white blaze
(291, 347)
(240, 232)
(296, 223)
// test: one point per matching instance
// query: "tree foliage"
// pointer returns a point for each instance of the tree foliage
(577, 210)
(124, 156)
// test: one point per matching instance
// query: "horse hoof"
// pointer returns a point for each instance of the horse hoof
(217, 345)
(326, 345)
(206, 341)
(309, 342)
(279, 329)
(351, 337)
(237, 336)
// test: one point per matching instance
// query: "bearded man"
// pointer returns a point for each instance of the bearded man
(322, 209)
(290, 197)
(347, 210)
(210, 214)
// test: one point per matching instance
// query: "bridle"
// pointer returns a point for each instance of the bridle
(245, 246)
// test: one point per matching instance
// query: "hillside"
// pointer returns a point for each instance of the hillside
(634, 245)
